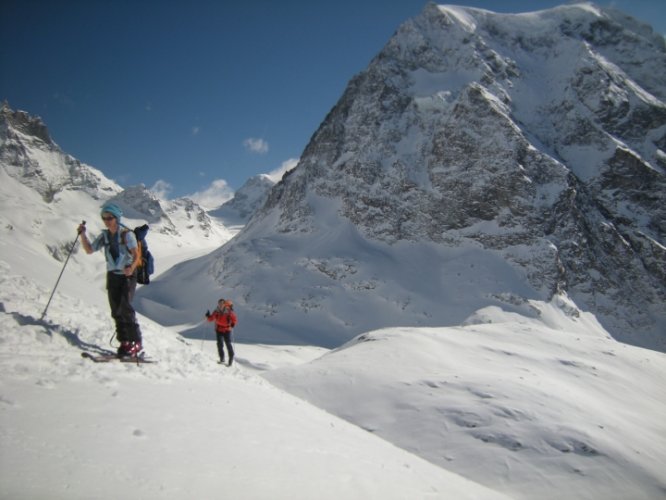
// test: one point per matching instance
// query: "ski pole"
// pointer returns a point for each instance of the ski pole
(203, 336)
(83, 223)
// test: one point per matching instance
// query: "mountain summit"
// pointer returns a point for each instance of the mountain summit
(31, 157)
(481, 160)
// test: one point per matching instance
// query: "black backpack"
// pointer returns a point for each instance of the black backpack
(147, 263)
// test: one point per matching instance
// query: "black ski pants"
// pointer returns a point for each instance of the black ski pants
(222, 339)
(120, 289)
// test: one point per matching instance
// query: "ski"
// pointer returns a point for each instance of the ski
(107, 358)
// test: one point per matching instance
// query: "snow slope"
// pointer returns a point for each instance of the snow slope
(530, 410)
(294, 287)
(506, 404)
(183, 428)
(523, 399)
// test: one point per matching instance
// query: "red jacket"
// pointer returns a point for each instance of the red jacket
(224, 320)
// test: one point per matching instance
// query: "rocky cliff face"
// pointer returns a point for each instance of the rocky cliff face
(29, 155)
(536, 139)
(541, 137)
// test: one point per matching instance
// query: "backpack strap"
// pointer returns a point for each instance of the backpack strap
(123, 240)
(123, 235)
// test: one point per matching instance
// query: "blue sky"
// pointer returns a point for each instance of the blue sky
(196, 95)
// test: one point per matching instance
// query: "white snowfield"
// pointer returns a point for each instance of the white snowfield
(183, 428)
(504, 407)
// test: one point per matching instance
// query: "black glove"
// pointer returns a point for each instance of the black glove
(207, 313)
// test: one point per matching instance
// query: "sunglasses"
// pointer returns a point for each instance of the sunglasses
(107, 219)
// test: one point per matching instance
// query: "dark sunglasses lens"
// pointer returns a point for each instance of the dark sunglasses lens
(108, 218)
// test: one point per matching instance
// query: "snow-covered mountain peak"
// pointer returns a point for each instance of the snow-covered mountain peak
(30, 156)
(250, 197)
(138, 202)
(454, 13)
(23, 122)
(526, 148)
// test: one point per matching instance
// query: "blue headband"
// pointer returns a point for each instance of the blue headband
(112, 209)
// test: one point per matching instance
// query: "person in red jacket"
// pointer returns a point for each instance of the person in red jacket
(225, 320)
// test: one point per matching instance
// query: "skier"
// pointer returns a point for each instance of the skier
(225, 320)
(122, 260)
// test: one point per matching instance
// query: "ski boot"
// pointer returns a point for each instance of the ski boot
(129, 349)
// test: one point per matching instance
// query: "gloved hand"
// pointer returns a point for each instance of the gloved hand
(82, 228)
(207, 313)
